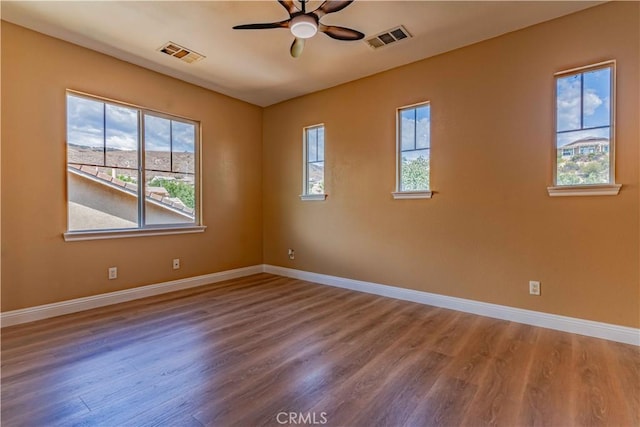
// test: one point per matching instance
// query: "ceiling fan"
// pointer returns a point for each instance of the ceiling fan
(304, 25)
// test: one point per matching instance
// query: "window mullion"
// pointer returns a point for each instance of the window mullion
(104, 134)
(171, 146)
(317, 154)
(415, 128)
(582, 101)
(141, 171)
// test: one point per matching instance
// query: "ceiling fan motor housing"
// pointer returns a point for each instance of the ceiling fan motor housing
(304, 26)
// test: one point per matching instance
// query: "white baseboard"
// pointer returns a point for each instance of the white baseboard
(590, 328)
(31, 314)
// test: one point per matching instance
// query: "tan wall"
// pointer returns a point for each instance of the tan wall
(491, 227)
(38, 267)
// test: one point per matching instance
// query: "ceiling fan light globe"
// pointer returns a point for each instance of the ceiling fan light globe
(303, 27)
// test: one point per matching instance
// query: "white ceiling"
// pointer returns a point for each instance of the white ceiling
(255, 65)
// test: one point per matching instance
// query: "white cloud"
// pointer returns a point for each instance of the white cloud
(568, 103)
(93, 123)
(569, 100)
(591, 102)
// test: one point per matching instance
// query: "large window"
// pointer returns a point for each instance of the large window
(313, 179)
(414, 147)
(584, 126)
(128, 167)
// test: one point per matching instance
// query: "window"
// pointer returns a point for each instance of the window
(129, 168)
(313, 179)
(584, 127)
(414, 145)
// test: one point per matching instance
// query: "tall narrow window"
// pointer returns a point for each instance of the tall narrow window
(584, 126)
(414, 147)
(128, 168)
(313, 180)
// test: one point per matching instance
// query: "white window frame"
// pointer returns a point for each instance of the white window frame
(607, 189)
(398, 193)
(306, 196)
(144, 230)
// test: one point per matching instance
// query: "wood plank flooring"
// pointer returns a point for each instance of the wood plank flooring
(267, 351)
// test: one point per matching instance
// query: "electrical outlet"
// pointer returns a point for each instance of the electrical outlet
(176, 263)
(113, 273)
(534, 287)
(292, 254)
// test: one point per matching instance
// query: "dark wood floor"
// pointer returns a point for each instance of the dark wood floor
(243, 351)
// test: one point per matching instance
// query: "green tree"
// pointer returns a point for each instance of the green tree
(592, 168)
(126, 178)
(183, 191)
(415, 174)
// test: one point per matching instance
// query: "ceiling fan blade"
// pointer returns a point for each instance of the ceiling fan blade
(331, 6)
(289, 5)
(264, 26)
(296, 47)
(340, 33)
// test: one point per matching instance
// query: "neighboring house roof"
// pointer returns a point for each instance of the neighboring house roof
(156, 195)
(587, 141)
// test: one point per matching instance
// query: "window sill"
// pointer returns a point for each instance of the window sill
(74, 236)
(585, 190)
(307, 197)
(412, 195)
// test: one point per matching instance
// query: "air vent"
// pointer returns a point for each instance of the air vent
(182, 53)
(388, 37)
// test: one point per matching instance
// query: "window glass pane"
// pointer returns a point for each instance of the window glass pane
(121, 136)
(407, 129)
(597, 98)
(85, 131)
(312, 138)
(169, 198)
(315, 178)
(321, 143)
(423, 117)
(414, 171)
(568, 103)
(157, 143)
(184, 147)
(101, 198)
(583, 157)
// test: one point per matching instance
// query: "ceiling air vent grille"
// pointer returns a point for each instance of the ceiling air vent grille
(180, 52)
(388, 37)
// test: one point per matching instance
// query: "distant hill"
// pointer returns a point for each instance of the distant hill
(156, 160)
